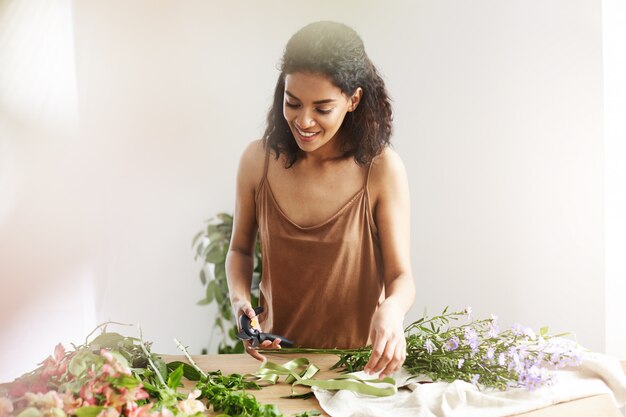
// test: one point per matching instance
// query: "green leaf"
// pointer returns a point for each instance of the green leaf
(81, 361)
(214, 233)
(196, 238)
(225, 218)
(203, 277)
(543, 331)
(88, 411)
(173, 380)
(189, 371)
(239, 347)
(215, 252)
(107, 340)
(128, 381)
(220, 271)
(233, 332)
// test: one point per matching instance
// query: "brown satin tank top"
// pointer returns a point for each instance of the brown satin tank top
(320, 284)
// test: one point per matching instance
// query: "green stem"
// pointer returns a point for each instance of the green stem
(149, 356)
(189, 358)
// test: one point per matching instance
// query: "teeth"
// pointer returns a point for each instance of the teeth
(306, 134)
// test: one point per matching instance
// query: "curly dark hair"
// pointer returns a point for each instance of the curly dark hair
(336, 51)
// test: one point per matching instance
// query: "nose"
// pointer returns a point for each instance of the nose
(304, 120)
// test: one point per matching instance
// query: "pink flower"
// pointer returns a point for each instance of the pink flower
(135, 411)
(109, 412)
(6, 407)
(116, 364)
(71, 403)
(55, 365)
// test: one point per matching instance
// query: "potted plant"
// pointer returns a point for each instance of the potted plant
(210, 246)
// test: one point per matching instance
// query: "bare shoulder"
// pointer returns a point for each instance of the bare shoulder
(387, 169)
(251, 163)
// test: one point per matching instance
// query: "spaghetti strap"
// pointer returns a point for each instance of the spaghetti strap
(267, 162)
(369, 169)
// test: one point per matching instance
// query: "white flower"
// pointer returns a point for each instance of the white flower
(6, 407)
(191, 406)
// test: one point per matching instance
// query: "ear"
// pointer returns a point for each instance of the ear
(355, 99)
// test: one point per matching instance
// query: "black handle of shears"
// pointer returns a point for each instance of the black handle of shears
(284, 342)
(248, 332)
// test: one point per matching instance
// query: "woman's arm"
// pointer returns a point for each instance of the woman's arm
(389, 185)
(240, 258)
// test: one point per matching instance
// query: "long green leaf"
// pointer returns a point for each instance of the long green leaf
(173, 380)
(189, 371)
(89, 411)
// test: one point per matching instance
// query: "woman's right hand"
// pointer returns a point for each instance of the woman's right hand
(246, 308)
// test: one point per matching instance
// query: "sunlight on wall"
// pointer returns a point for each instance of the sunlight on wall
(37, 71)
(46, 278)
(9, 177)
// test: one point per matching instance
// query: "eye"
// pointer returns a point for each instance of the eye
(324, 111)
(291, 105)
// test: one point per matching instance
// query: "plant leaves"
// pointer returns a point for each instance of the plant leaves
(89, 411)
(189, 371)
(216, 252)
(225, 218)
(173, 380)
(107, 340)
(198, 235)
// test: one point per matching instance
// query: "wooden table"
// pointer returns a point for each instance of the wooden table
(599, 405)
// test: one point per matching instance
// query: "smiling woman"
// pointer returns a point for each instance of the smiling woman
(331, 206)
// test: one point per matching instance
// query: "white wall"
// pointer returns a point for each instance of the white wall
(614, 59)
(498, 119)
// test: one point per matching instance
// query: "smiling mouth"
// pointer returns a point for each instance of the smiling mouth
(305, 134)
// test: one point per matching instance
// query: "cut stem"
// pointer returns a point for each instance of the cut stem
(189, 358)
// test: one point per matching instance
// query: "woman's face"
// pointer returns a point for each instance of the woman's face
(314, 108)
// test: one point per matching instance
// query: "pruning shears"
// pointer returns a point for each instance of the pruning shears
(254, 335)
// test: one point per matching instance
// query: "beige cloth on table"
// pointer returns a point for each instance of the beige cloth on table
(598, 374)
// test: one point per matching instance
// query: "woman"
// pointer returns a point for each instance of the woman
(330, 200)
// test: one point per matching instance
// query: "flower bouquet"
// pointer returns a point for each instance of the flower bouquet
(118, 376)
(476, 351)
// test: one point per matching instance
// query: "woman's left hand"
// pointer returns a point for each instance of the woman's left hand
(388, 342)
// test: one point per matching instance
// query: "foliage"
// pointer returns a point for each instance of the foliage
(211, 247)
(117, 376)
(476, 351)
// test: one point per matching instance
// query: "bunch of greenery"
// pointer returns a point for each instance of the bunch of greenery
(475, 351)
(211, 246)
(118, 376)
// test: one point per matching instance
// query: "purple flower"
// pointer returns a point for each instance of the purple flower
(475, 379)
(502, 359)
(533, 377)
(470, 335)
(529, 333)
(452, 344)
(517, 329)
(494, 330)
(490, 353)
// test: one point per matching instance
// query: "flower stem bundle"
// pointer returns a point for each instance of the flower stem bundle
(475, 351)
